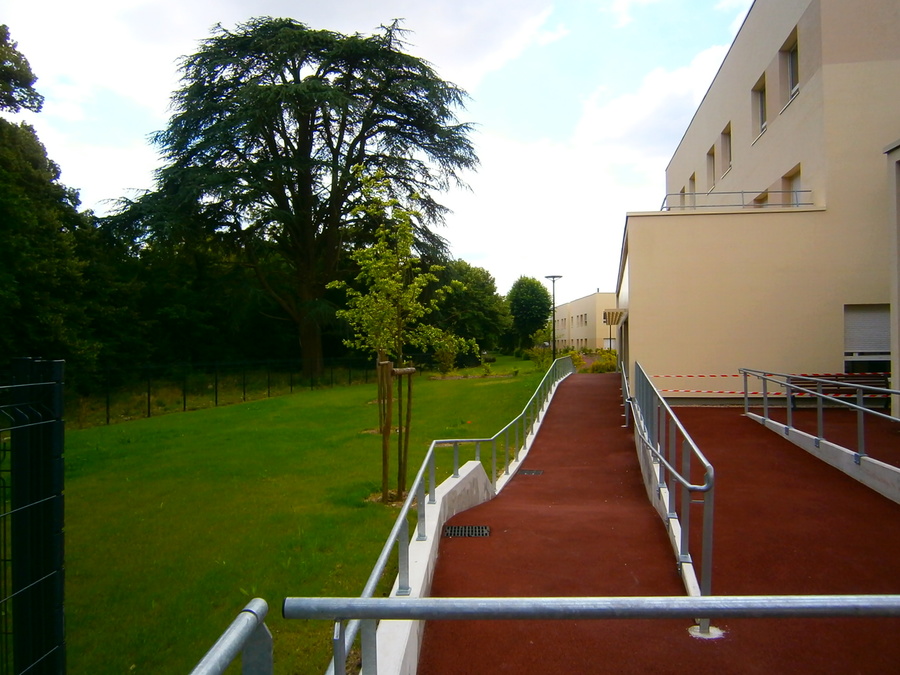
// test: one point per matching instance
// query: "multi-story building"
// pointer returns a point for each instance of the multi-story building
(777, 244)
(580, 324)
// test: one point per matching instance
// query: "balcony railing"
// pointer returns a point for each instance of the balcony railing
(744, 199)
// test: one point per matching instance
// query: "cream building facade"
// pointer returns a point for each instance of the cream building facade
(777, 247)
(580, 323)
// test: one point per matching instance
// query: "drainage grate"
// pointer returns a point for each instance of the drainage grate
(467, 531)
(531, 472)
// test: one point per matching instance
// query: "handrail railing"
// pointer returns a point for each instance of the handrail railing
(722, 200)
(788, 384)
(619, 607)
(247, 635)
(369, 610)
(400, 535)
(658, 432)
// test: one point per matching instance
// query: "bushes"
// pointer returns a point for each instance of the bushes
(606, 362)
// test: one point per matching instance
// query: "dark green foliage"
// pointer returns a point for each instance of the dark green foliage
(530, 305)
(472, 309)
(41, 281)
(269, 123)
(16, 79)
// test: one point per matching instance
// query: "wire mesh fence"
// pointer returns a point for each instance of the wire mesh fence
(32, 628)
(123, 394)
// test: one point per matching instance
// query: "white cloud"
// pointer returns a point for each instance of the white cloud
(740, 7)
(538, 206)
(621, 9)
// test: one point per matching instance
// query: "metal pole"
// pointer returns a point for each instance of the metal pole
(403, 587)
(860, 427)
(553, 278)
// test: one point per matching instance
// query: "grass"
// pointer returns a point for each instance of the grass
(173, 523)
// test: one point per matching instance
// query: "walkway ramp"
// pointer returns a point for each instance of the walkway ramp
(575, 521)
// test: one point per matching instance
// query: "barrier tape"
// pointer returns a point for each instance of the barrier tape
(698, 375)
(718, 391)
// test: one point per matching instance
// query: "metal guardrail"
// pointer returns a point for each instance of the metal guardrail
(368, 610)
(542, 608)
(399, 534)
(741, 199)
(787, 383)
(664, 446)
(247, 636)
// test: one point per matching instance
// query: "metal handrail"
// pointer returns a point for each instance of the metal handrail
(619, 607)
(658, 430)
(787, 381)
(247, 635)
(753, 194)
(368, 610)
(399, 535)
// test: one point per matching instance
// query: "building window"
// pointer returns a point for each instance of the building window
(790, 67)
(867, 338)
(794, 71)
(726, 149)
(692, 190)
(711, 169)
(760, 116)
(792, 188)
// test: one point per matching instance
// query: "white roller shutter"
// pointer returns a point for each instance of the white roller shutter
(867, 329)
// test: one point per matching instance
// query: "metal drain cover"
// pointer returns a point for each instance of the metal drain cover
(467, 531)
(531, 472)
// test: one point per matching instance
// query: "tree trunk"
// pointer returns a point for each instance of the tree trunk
(385, 396)
(311, 348)
(409, 379)
(401, 467)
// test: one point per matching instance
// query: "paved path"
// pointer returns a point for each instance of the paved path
(785, 523)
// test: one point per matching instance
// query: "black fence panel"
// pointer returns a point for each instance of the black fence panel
(147, 390)
(32, 628)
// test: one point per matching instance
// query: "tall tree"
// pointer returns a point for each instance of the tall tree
(268, 124)
(530, 305)
(16, 79)
(40, 273)
(386, 310)
(474, 310)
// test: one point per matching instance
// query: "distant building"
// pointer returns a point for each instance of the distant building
(777, 245)
(580, 323)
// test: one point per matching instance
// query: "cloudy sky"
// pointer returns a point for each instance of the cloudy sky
(578, 105)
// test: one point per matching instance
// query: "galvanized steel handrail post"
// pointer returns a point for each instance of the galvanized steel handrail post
(400, 532)
(247, 635)
(860, 427)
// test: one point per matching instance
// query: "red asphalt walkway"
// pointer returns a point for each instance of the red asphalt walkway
(785, 523)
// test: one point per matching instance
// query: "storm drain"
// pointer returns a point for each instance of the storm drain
(467, 531)
(531, 472)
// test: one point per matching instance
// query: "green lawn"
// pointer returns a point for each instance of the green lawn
(173, 523)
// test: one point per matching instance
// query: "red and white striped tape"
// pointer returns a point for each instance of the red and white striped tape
(720, 391)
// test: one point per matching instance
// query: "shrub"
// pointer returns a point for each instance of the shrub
(539, 356)
(606, 362)
(577, 360)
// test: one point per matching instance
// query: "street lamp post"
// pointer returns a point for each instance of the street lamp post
(553, 278)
